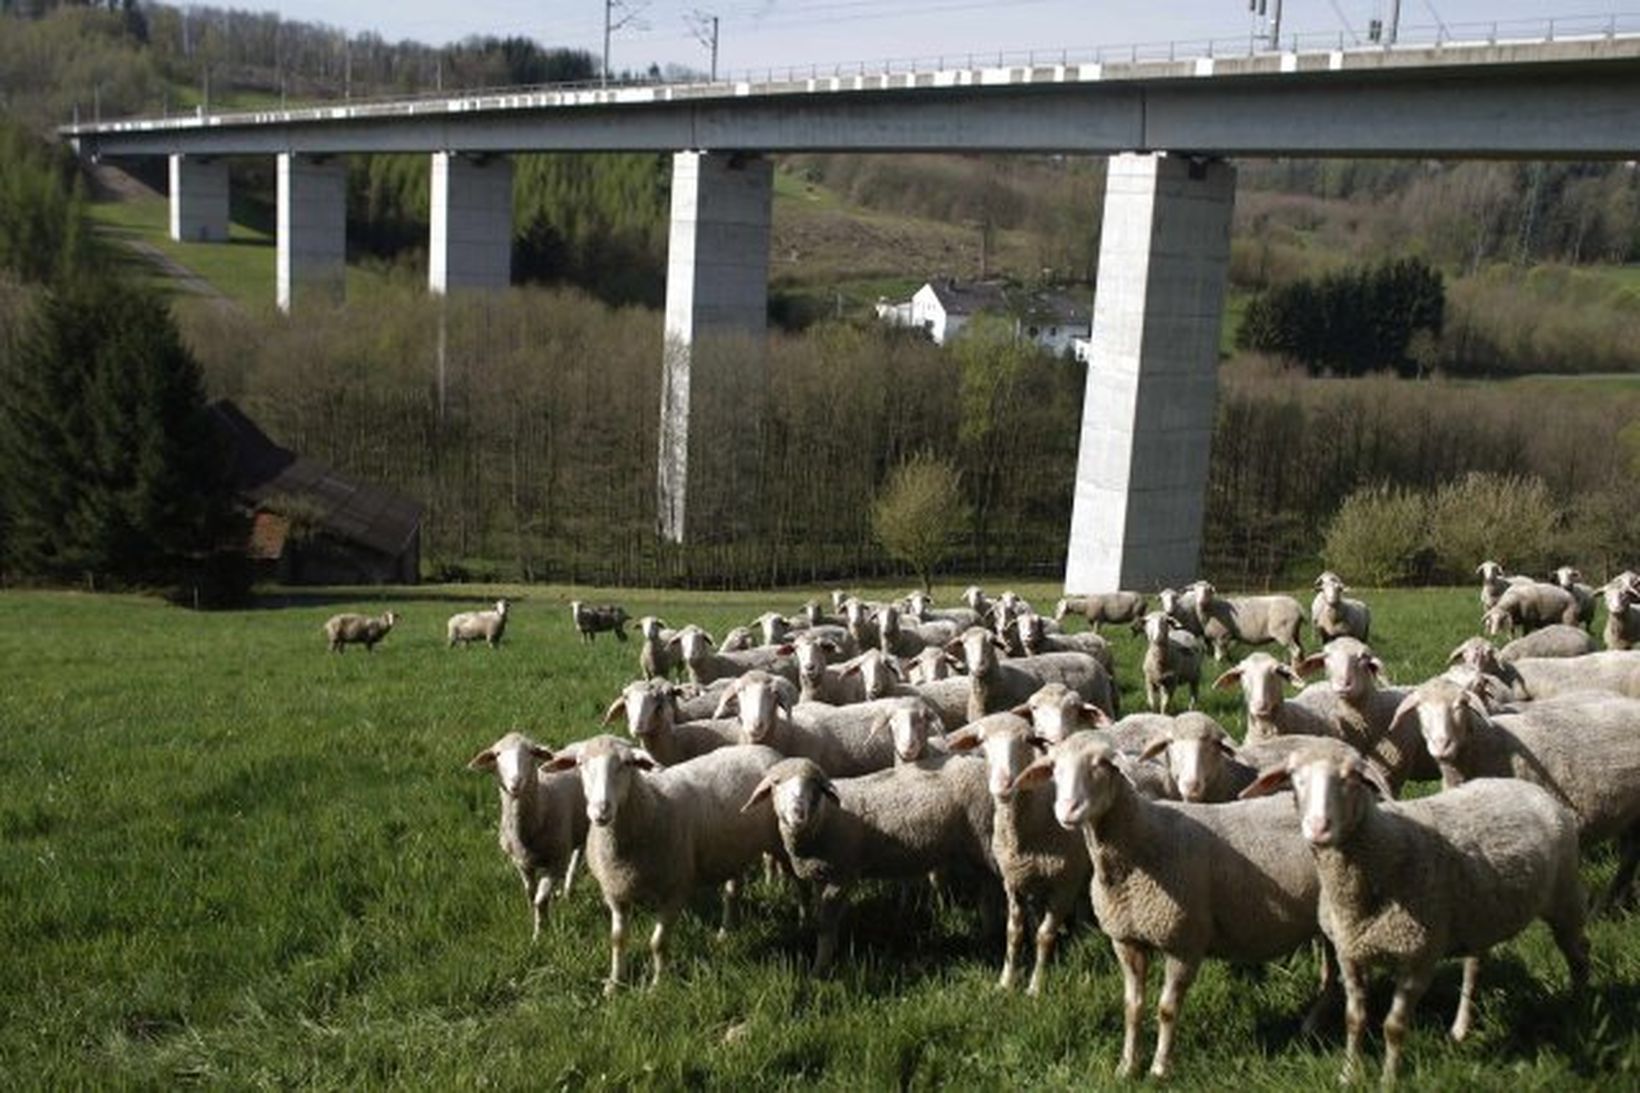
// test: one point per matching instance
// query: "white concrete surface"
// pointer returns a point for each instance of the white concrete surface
(312, 239)
(470, 238)
(1152, 387)
(199, 199)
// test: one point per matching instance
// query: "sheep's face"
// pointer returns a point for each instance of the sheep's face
(1056, 711)
(1007, 753)
(979, 651)
(514, 759)
(1196, 750)
(650, 627)
(1031, 630)
(760, 700)
(856, 614)
(1491, 572)
(1204, 593)
(1566, 576)
(838, 598)
(775, 628)
(974, 596)
(1351, 669)
(737, 640)
(1479, 654)
(918, 603)
(1332, 592)
(811, 659)
(911, 728)
(1083, 783)
(391, 619)
(878, 672)
(1158, 625)
(608, 766)
(1445, 715)
(647, 710)
(693, 643)
(888, 620)
(1331, 797)
(1619, 596)
(1169, 599)
(929, 665)
(1497, 621)
(1262, 677)
(798, 801)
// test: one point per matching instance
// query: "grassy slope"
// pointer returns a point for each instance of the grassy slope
(230, 856)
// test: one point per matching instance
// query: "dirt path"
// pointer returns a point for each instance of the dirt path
(109, 183)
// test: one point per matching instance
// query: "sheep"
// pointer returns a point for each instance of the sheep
(1477, 658)
(1494, 582)
(655, 659)
(1180, 606)
(652, 719)
(777, 628)
(978, 602)
(362, 630)
(1571, 580)
(995, 684)
(1044, 867)
(1622, 614)
(1583, 748)
(930, 665)
(1529, 607)
(1204, 766)
(738, 640)
(543, 819)
(821, 681)
(1558, 640)
(844, 740)
(658, 834)
(1035, 638)
(1617, 671)
(813, 614)
(705, 666)
(1251, 620)
(893, 636)
(1102, 607)
(949, 698)
(1233, 881)
(591, 621)
(862, 626)
(1173, 657)
(1410, 882)
(1334, 616)
(1363, 714)
(896, 824)
(921, 606)
(1269, 715)
(485, 626)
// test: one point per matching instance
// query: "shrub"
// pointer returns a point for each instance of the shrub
(918, 513)
(1379, 536)
(1507, 517)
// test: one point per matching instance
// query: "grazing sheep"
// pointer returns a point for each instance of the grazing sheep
(1617, 671)
(657, 835)
(1494, 582)
(844, 740)
(592, 621)
(1035, 638)
(930, 665)
(1622, 613)
(543, 818)
(1529, 607)
(1583, 748)
(1044, 867)
(920, 606)
(896, 824)
(1571, 580)
(655, 659)
(1251, 620)
(485, 626)
(1269, 715)
(1234, 881)
(1558, 640)
(652, 719)
(1411, 882)
(1363, 714)
(1122, 608)
(995, 684)
(705, 666)
(1333, 616)
(362, 630)
(1173, 658)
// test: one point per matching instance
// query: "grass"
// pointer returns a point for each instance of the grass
(232, 858)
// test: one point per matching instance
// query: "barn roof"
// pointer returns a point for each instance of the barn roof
(359, 512)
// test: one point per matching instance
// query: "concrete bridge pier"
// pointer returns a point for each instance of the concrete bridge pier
(471, 222)
(1152, 388)
(717, 300)
(199, 199)
(312, 243)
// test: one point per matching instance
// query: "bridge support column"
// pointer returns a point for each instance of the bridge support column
(1152, 388)
(312, 245)
(717, 299)
(199, 199)
(471, 237)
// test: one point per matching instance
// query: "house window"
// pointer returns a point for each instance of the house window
(1031, 330)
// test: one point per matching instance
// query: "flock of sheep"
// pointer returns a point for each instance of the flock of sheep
(984, 743)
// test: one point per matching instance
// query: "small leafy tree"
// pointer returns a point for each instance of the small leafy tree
(918, 512)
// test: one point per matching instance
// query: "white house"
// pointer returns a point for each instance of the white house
(942, 307)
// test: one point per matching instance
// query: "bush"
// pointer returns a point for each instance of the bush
(1379, 536)
(918, 513)
(1509, 518)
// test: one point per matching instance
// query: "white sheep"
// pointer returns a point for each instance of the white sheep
(1173, 658)
(657, 835)
(486, 626)
(1584, 748)
(1035, 637)
(1268, 714)
(1055, 711)
(1234, 881)
(1334, 616)
(1250, 620)
(1180, 606)
(995, 684)
(1494, 582)
(1558, 640)
(920, 606)
(930, 665)
(896, 638)
(738, 640)
(1363, 713)
(819, 678)
(844, 740)
(365, 630)
(1408, 883)
(1571, 580)
(1529, 607)
(655, 659)
(1123, 608)
(1617, 671)
(1622, 613)
(896, 824)
(777, 628)
(652, 719)
(705, 666)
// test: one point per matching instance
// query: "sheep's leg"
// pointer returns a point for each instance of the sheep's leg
(1465, 1016)
(1195, 692)
(657, 943)
(617, 947)
(1567, 924)
(1628, 846)
(1015, 942)
(1355, 1016)
(1047, 934)
(1176, 982)
(828, 910)
(1329, 987)
(731, 904)
(569, 870)
(1134, 961)
(541, 903)
(1408, 989)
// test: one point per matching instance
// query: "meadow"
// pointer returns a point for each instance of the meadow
(231, 858)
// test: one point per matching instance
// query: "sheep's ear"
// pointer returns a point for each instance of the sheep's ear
(1286, 672)
(953, 649)
(1000, 644)
(893, 666)
(1480, 569)
(851, 668)
(965, 739)
(1096, 715)
(1268, 782)
(830, 790)
(1456, 655)
(643, 760)
(484, 760)
(785, 649)
(676, 639)
(1039, 771)
(1227, 680)
(541, 752)
(763, 789)
(729, 695)
(1408, 706)
(1038, 741)
(1154, 748)
(614, 708)
(829, 646)
(707, 638)
(1474, 699)
(1318, 584)
(1373, 777)
(1228, 748)
(878, 724)
(1022, 710)
(785, 695)
(1137, 626)
(564, 760)
(1373, 665)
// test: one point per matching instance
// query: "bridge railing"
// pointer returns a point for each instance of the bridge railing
(1410, 39)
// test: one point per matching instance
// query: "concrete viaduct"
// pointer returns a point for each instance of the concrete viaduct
(1170, 127)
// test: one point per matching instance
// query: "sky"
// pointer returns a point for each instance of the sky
(760, 34)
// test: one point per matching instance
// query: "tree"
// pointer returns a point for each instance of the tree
(110, 468)
(918, 512)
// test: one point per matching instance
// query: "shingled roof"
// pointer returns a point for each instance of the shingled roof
(357, 512)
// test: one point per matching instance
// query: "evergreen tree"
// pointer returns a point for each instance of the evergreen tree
(110, 469)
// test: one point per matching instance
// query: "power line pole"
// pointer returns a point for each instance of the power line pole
(705, 29)
(629, 17)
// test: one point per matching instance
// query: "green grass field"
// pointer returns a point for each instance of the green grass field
(229, 857)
